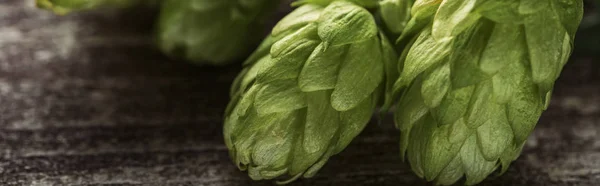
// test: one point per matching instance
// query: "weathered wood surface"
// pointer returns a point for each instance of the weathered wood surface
(86, 100)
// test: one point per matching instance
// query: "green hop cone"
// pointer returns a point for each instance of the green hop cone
(475, 80)
(211, 31)
(395, 14)
(362, 3)
(307, 91)
(63, 7)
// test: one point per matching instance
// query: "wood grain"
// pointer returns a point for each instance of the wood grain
(86, 99)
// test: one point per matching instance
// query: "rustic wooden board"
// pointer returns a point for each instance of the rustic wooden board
(85, 99)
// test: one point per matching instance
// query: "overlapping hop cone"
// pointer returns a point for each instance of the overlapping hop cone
(475, 79)
(308, 90)
(67, 6)
(215, 32)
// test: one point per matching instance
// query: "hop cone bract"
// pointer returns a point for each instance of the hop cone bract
(395, 14)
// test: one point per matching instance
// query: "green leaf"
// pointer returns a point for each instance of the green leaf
(360, 74)
(422, 13)
(545, 37)
(495, 135)
(474, 164)
(436, 85)
(570, 14)
(395, 14)
(273, 146)
(468, 48)
(262, 50)
(501, 11)
(365, 3)
(424, 53)
(412, 28)
(452, 173)
(287, 64)
(425, 8)
(246, 102)
(237, 110)
(279, 96)
(510, 154)
(404, 143)
(506, 81)
(352, 122)
(244, 138)
(524, 109)
(454, 106)
(297, 19)
(247, 77)
(482, 105)
(416, 149)
(289, 43)
(237, 83)
(459, 132)
(532, 6)
(265, 174)
(312, 171)
(439, 151)
(453, 17)
(411, 108)
(506, 45)
(343, 23)
(390, 62)
(322, 122)
(320, 71)
(230, 124)
(250, 76)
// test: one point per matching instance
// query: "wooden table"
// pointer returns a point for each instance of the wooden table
(86, 99)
